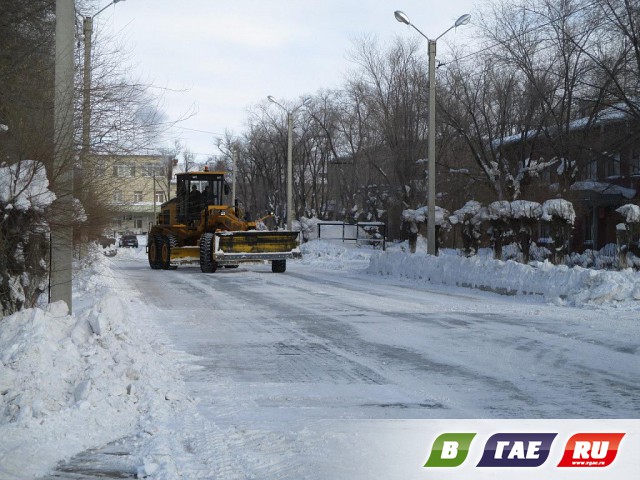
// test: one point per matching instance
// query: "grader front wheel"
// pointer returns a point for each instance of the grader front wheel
(207, 263)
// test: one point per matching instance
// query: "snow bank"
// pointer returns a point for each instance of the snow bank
(576, 286)
(73, 382)
(334, 255)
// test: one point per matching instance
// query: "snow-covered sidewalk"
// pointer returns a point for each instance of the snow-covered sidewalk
(73, 382)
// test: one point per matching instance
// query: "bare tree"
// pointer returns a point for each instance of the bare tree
(517, 112)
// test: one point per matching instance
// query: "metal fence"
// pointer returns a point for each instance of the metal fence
(362, 232)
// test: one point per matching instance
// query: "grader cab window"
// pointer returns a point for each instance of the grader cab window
(197, 192)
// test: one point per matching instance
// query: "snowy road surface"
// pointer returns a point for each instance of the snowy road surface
(287, 362)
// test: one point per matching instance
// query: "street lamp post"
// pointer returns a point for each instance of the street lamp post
(431, 139)
(289, 157)
(61, 256)
(87, 30)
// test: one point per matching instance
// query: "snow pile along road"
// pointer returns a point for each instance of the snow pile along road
(73, 382)
(559, 284)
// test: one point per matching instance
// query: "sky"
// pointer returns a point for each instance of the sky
(211, 60)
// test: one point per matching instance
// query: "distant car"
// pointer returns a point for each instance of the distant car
(129, 241)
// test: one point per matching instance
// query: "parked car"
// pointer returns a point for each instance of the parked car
(129, 241)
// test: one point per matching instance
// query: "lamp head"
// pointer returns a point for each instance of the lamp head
(271, 98)
(401, 17)
(463, 20)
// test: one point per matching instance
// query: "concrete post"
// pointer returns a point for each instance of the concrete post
(62, 184)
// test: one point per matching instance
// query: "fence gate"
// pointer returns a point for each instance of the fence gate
(368, 232)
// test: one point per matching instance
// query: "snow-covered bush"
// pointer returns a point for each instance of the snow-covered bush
(24, 242)
(470, 225)
(412, 220)
(497, 215)
(308, 227)
(560, 216)
(517, 222)
(525, 216)
(626, 232)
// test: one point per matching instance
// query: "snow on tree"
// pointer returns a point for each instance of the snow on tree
(626, 231)
(524, 219)
(420, 215)
(631, 213)
(523, 209)
(499, 210)
(567, 168)
(510, 221)
(530, 168)
(558, 208)
(413, 219)
(471, 233)
(560, 216)
(24, 186)
(24, 198)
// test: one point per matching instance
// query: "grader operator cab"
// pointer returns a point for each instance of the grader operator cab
(197, 226)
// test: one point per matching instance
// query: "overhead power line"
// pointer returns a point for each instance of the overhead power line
(519, 35)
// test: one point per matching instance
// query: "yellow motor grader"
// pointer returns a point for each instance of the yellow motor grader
(197, 226)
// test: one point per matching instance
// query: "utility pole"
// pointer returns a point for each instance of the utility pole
(233, 183)
(62, 224)
(87, 29)
(289, 171)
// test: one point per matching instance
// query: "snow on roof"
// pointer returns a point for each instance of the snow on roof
(602, 187)
(24, 186)
(615, 113)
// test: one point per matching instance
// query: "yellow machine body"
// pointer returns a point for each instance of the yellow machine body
(198, 227)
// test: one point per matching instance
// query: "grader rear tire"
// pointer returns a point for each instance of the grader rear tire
(154, 253)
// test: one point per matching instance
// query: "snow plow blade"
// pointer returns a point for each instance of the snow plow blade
(257, 244)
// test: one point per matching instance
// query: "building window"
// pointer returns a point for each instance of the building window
(591, 170)
(152, 171)
(124, 170)
(100, 168)
(635, 161)
(160, 196)
(138, 223)
(127, 217)
(137, 196)
(588, 230)
(117, 196)
(613, 165)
